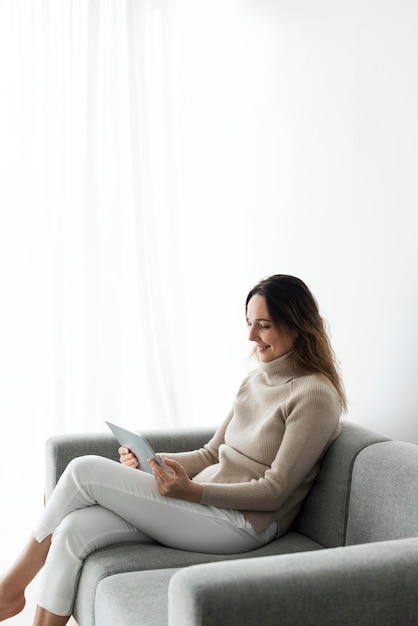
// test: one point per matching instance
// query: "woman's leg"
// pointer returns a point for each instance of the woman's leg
(32, 558)
(45, 618)
(79, 534)
(24, 570)
(133, 495)
(130, 496)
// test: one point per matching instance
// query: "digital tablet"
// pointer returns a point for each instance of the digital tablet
(137, 444)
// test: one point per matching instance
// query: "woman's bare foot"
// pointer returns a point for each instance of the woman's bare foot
(11, 602)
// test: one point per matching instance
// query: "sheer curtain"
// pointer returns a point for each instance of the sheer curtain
(123, 268)
(112, 237)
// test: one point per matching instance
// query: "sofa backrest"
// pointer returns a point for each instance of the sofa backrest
(384, 493)
(323, 516)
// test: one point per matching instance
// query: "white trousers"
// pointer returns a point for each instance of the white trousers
(98, 502)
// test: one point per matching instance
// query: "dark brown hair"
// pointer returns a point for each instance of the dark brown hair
(291, 304)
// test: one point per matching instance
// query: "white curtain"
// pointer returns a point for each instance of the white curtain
(111, 245)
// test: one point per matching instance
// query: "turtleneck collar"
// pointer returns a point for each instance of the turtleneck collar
(284, 367)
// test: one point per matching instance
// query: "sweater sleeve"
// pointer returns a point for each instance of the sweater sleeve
(197, 460)
(311, 424)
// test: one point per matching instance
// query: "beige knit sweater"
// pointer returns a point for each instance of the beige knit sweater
(265, 456)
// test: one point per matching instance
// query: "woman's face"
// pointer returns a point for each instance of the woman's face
(271, 341)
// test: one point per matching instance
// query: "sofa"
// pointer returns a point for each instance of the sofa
(351, 556)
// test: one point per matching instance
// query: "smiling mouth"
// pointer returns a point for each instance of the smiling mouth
(262, 348)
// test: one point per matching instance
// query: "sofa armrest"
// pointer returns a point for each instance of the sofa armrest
(365, 584)
(61, 449)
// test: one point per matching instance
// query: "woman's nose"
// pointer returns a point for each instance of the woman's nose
(252, 334)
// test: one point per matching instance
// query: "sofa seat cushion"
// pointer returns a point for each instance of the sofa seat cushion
(139, 598)
(138, 557)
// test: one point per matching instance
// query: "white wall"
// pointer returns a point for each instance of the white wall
(304, 128)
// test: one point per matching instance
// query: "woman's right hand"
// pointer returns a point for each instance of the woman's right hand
(126, 457)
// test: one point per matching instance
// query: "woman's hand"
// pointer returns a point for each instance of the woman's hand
(175, 485)
(126, 457)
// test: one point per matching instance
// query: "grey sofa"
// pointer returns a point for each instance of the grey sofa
(351, 556)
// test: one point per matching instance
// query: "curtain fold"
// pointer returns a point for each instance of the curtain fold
(89, 223)
(146, 112)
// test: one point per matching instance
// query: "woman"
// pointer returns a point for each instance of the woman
(237, 493)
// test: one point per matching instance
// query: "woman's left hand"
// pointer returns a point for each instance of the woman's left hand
(177, 484)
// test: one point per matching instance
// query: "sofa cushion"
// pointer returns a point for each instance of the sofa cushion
(384, 493)
(137, 598)
(323, 516)
(142, 557)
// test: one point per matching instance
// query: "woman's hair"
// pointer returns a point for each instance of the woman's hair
(291, 304)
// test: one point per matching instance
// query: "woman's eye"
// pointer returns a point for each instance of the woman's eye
(260, 326)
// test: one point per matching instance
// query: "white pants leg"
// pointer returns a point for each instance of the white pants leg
(99, 502)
